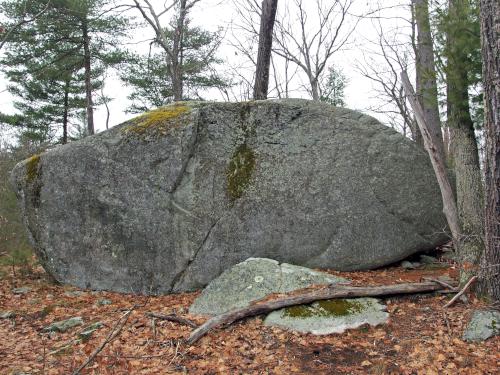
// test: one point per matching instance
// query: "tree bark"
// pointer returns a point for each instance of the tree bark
(463, 148)
(307, 296)
(88, 77)
(426, 86)
(489, 282)
(268, 17)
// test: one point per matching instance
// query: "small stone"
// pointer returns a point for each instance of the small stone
(86, 334)
(104, 302)
(7, 314)
(426, 259)
(482, 325)
(22, 290)
(64, 325)
(407, 265)
(73, 293)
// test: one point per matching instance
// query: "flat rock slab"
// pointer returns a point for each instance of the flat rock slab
(169, 200)
(482, 325)
(252, 280)
(329, 316)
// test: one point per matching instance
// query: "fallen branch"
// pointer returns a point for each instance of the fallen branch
(115, 331)
(306, 296)
(173, 318)
(464, 289)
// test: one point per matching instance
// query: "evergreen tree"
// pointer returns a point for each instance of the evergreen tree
(58, 57)
(151, 78)
(332, 91)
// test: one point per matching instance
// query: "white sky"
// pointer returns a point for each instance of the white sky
(211, 14)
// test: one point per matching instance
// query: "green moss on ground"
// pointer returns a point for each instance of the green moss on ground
(159, 121)
(239, 171)
(327, 308)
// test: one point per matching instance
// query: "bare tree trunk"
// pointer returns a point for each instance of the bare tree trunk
(177, 53)
(417, 137)
(449, 206)
(88, 76)
(65, 113)
(489, 282)
(426, 87)
(265, 44)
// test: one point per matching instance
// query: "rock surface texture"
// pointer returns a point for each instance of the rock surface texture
(169, 200)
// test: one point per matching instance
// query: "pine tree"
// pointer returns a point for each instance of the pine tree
(151, 76)
(332, 91)
(67, 48)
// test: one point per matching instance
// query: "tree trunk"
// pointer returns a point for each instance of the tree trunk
(65, 113)
(416, 136)
(489, 282)
(268, 16)
(177, 52)
(426, 86)
(464, 150)
(438, 163)
(314, 89)
(88, 77)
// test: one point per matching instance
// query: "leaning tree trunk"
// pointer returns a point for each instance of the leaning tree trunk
(464, 151)
(426, 86)
(489, 282)
(88, 77)
(268, 16)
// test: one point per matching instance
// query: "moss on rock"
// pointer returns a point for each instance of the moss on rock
(327, 308)
(239, 171)
(32, 168)
(159, 121)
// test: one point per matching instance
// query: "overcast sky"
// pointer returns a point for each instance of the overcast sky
(212, 14)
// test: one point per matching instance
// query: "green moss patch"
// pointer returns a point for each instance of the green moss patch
(239, 171)
(159, 121)
(323, 309)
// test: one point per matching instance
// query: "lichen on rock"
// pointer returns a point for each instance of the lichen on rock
(159, 121)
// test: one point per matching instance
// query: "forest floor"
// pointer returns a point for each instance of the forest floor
(420, 338)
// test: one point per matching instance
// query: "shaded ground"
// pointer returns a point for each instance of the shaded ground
(420, 338)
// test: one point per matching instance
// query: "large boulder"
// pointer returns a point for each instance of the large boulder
(168, 200)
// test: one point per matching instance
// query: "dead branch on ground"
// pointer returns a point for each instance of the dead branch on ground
(307, 296)
(172, 318)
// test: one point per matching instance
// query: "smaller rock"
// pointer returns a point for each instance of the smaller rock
(86, 334)
(22, 290)
(73, 293)
(64, 325)
(407, 265)
(482, 325)
(104, 302)
(253, 279)
(7, 314)
(331, 316)
(427, 259)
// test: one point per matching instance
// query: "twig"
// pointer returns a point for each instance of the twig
(440, 282)
(115, 331)
(173, 318)
(457, 296)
